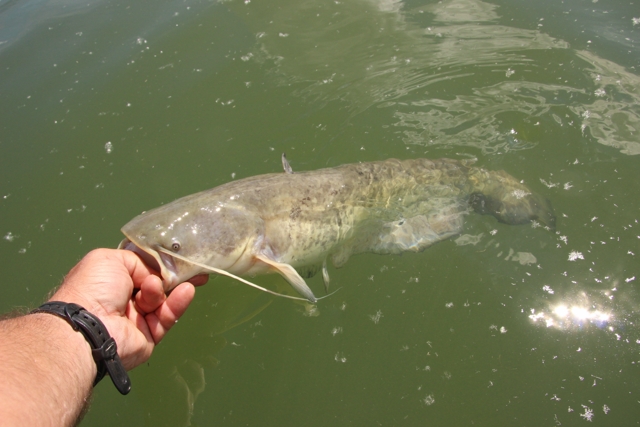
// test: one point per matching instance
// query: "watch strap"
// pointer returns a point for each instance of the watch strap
(103, 347)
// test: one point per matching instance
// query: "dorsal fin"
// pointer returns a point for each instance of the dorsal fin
(285, 164)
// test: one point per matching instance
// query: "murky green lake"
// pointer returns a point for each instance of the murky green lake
(109, 108)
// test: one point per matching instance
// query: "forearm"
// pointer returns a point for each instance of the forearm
(46, 372)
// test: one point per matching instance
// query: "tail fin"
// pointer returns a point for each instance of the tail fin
(499, 194)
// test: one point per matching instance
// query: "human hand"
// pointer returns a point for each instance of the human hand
(103, 283)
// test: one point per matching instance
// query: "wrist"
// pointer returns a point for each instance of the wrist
(46, 371)
(103, 347)
(72, 347)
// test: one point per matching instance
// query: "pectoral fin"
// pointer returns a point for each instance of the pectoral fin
(291, 275)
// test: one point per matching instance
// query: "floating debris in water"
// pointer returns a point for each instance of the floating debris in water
(108, 147)
(573, 255)
(375, 318)
(588, 413)
(429, 400)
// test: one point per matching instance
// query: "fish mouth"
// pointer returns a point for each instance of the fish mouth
(157, 260)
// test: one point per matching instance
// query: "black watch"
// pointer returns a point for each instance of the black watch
(103, 346)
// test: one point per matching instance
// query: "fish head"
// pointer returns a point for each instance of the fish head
(168, 238)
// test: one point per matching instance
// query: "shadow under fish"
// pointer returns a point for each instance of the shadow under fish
(292, 223)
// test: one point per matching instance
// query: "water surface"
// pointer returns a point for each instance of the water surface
(111, 108)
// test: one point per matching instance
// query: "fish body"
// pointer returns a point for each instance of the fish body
(291, 223)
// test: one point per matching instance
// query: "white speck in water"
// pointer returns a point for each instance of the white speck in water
(573, 255)
(605, 409)
(549, 184)
(336, 331)
(503, 330)
(600, 92)
(630, 279)
(588, 413)
(510, 72)
(283, 34)
(493, 232)
(246, 57)
(108, 147)
(233, 175)
(567, 185)
(339, 357)
(9, 237)
(375, 318)
(449, 305)
(635, 21)
(547, 289)
(429, 400)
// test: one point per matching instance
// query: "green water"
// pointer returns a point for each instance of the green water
(111, 108)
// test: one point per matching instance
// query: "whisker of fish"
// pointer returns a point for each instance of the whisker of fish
(233, 276)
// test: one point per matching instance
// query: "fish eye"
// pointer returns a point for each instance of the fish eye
(175, 246)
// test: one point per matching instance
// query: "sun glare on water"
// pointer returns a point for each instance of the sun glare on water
(572, 313)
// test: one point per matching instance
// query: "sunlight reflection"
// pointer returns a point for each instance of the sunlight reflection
(576, 312)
